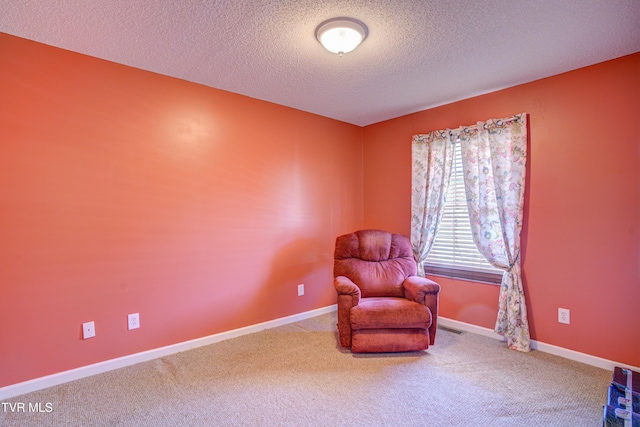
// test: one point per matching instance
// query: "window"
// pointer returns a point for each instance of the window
(454, 254)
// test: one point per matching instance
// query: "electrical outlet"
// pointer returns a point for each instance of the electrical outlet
(133, 321)
(564, 316)
(300, 290)
(88, 330)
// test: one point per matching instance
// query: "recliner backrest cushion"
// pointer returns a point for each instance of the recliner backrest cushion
(376, 261)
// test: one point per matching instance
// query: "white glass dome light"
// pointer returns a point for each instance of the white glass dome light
(341, 35)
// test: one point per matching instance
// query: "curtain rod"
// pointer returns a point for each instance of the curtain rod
(499, 122)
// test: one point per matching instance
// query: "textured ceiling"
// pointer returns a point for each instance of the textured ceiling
(419, 54)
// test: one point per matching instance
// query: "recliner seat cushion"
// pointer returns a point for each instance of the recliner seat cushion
(389, 313)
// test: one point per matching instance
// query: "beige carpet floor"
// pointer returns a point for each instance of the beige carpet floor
(296, 375)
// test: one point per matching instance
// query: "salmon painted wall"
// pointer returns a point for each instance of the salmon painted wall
(582, 210)
(124, 191)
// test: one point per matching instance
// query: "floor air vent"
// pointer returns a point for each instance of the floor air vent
(444, 328)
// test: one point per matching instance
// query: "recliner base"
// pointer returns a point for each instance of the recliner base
(389, 340)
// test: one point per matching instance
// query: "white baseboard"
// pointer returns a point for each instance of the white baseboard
(120, 362)
(109, 365)
(540, 346)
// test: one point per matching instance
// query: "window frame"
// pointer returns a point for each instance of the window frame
(452, 221)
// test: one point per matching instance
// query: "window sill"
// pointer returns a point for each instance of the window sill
(490, 278)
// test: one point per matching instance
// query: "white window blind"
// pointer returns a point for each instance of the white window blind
(454, 254)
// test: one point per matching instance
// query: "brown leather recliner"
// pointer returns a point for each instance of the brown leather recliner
(382, 305)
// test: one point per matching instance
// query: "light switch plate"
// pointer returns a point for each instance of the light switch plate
(88, 330)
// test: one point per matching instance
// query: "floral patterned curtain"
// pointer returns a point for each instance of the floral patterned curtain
(432, 157)
(494, 156)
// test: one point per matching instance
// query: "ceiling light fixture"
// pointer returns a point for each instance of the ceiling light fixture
(341, 35)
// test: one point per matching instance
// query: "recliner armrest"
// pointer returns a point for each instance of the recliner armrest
(424, 291)
(417, 288)
(348, 296)
(344, 286)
